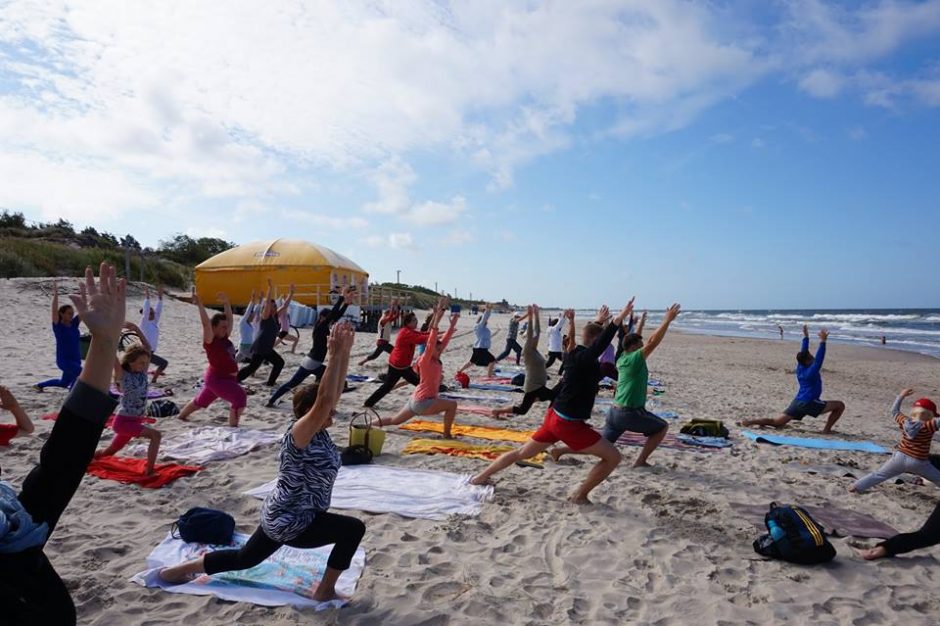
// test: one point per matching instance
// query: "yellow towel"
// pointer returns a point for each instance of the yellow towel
(477, 432)
(451, 447)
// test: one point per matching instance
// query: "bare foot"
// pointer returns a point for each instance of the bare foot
(480, 483)
(878, 552)
(555, 453)
(643, 464)
(579, 500)
(449, 436)
(327, 595)
(170, 575)
(150, 472)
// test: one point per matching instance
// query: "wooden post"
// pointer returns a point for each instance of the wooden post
(127, 263)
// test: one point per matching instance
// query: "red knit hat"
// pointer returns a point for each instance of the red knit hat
(927, 403)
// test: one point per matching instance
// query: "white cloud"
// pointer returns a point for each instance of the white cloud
(822, 83)
(393, 180)
(396, 241)
(433, 213)
(324, 221)
(459, 237)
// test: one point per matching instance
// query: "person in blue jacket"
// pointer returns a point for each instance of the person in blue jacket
(808, 399)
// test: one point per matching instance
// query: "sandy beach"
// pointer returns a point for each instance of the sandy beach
(659, 545)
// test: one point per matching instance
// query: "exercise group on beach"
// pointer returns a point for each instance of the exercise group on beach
(610, 345)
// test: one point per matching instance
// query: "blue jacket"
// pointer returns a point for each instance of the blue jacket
(810, 379)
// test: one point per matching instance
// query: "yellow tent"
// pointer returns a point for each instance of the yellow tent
(313, 269)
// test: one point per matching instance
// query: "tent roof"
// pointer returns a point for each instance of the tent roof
(279, 253)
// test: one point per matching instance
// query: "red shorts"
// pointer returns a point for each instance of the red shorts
(576, 434)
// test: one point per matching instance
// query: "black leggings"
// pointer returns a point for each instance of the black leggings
(346, 532)
(159, 362)
(928, 535)
(272, 358)
(379, 349)
(542, 394)
(391, 377)
(511, 346)
(552, 357)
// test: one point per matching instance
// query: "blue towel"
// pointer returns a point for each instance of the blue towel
(450, 395)
(705, 442)
(818, 444)
(668, 415)
(485, 387)
(358, 378)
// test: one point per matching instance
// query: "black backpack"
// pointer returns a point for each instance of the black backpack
(518, 380)
(356, 455)
(794, 536)
(201, 525)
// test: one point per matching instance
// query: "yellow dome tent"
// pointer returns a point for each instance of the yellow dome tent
(313, 269)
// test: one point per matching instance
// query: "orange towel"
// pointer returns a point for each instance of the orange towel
(490, 433)
(131, 471)
(451, 447)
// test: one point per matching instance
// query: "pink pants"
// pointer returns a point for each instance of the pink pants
(225, 387)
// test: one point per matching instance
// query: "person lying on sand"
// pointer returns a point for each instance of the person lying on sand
(425, 400)
(295, 512)
(807, 401)
(566, 420)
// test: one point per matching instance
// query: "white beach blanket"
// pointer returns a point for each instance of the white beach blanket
(209, 443)
(289, 576)
(421, 494)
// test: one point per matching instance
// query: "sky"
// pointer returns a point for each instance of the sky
(724, 154)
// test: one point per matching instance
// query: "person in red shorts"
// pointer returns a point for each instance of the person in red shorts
(23, 425)
(566, 420)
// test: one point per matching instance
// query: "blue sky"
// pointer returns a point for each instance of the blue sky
(724, 155)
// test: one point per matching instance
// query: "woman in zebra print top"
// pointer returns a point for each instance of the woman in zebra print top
(295, 513)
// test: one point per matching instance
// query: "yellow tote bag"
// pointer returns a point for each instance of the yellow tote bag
(363, 433)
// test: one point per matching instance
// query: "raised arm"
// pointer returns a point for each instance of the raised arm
(267, 309)
(641, 324)
(572, 341)
(804, 345)
(227, 309)
(895, 410)
(450, 331)
(331, 386)
(821, 350)
(55, 302)
(134, 328)
(145, 314)
(158, 311)
(486, 314)
(8, 403)
(287, 300)
(531, 334)
(671, 314)
(203, 317)
(603, 340)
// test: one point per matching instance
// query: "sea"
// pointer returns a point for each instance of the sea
(913, 330)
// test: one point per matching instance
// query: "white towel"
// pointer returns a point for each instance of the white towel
(209, 443)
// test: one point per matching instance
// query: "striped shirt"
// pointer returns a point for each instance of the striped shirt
(916, 436)
(304, 486)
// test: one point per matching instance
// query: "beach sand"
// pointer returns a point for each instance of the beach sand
(659, 545)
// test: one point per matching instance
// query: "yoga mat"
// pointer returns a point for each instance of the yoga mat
(476, 397)
(110, 421)
(131, 471)
(361, 378)
(451, 447)
(489, 387)
(837, 522)
(490, 433)
(419, 494)
(817, 444)
(495, 379)
(288, 577)
(205, 444)
(671, 442)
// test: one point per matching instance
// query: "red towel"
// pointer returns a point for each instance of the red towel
(127, 470)
(8, 432)
(108, 424)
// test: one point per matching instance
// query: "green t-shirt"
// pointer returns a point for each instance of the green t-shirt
(632, 378)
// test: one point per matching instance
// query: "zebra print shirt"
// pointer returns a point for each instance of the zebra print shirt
(303, 489)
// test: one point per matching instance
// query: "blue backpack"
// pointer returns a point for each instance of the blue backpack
(201, 525)
(794, 536)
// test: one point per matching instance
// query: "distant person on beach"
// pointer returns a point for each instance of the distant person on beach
(481, 356)
(807, 401)
(928, 535)
(31, 591)
(221, 377)
(535, 387)
(399, 361)
(512, 332)
(555, 350)
(566, 420)
(780, 328)
(23, 425)
(384, 341)
(913, 453)
(425, 401)
(68, 352)
(296, 512)
(130, 378)
(246, 329)
(150, 327)
(262, 350)
(884, 340)
(629, 412)
(314, 364)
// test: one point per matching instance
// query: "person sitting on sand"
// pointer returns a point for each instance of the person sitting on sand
(246, 329)
(399, 361)
(566, 420)
(807, 401)
(315, 362)
(262, 350)
(628, 412)
(425, 401)
(68, 352)
(913, 453)
(512, 332)
(130, 377)
(481, 355)
(928, 535)
(295, 512)
(221, 377)
(384, 341)
(30, 589)
(23, 426)
(555, 329)
(536, 375)
(150, 328)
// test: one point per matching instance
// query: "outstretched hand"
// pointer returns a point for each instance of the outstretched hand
(806, 331)
(603, 314)
(101, 305)
(627, 309)
(671, 313)
(193, 296)
(341, 339)
(7, 401)
(453, 318)
(906, 392)
(823, 334)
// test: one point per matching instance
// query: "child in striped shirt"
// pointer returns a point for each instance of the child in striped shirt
(913, 454)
